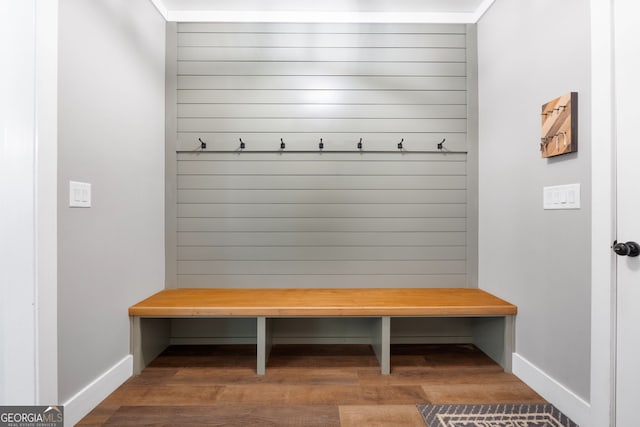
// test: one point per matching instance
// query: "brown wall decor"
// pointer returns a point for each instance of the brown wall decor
(560, 126)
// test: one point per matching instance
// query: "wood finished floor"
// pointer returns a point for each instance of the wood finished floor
(310, 385)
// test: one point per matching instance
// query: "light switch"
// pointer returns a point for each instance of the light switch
(79, 194)
(562, 197)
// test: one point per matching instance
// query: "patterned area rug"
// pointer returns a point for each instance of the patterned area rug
(510, 415)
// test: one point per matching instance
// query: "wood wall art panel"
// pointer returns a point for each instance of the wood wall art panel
(560, 126)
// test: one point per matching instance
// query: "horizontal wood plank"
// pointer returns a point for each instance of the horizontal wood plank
(318, 111)
(414, 238)
(300, 210)
(275, 182)
(322, 302)
(321, 196)
(301, 96)
(382, 54)
(393, 267)
(317, 68)
(320, 225)
(320, 40)
(324, 253)
(309, 281)
(315, 28)
(321, 83)
(318, 167)
(238, 125)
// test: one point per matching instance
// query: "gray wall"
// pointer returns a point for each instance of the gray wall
(111, 134)
(330, 219)
(529, 53)
(321, 220)
(303, 82)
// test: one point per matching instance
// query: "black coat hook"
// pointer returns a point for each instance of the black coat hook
(282, 144)
(441, 144)
(360, 144)
(321, 145)
(241, 144)
(203, 145)
(400, 144)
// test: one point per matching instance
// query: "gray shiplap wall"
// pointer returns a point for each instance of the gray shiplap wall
(321, 219)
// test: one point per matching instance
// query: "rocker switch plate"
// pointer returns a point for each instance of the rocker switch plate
(79, 194)
(562, 197)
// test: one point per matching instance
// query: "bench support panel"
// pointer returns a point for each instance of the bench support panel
(381, 342)
(264, 343)
(495, 336)
(149, 338)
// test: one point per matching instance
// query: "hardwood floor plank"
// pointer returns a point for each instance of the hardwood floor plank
(421, 377)
(508, 392)
(212, 356)
(328, 385)
(322, 356)
(227, 415)
(291, 395)
(165, 395)
(380, 416)
(237, 376)
(99, 415)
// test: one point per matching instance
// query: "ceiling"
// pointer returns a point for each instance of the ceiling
(452, 11)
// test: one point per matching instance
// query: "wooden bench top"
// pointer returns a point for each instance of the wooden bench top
(322, 302)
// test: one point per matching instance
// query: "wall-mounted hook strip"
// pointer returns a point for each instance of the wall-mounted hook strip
(440, 145)
(400, 144)
(321, 145)
(203, 145)
(360, 144)
(282, 145)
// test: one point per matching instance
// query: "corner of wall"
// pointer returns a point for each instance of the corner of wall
(472, 155)
(171, 131)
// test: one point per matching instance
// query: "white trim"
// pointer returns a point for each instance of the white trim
(482, 9)
(89, 397)
(160, 6)
(564, 399)
(321, 16)
(603, 299)
(18, 382)
(318, 16)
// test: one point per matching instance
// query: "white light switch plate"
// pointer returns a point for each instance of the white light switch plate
(562, 197)
(79, 194)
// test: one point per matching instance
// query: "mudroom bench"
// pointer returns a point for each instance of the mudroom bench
(493, 318)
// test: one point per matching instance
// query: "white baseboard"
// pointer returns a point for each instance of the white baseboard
(561, 397)
(89, 397)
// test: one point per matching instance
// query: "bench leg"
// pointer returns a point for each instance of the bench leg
(509, 342)
(381, 343)
(264, 344)
(149, 338)
(495, 336)
(136, 345)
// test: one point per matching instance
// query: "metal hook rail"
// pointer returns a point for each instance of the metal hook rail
(440, 149)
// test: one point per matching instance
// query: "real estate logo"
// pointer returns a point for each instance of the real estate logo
(31, 416)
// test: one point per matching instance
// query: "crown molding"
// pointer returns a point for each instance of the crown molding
(321, 17)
